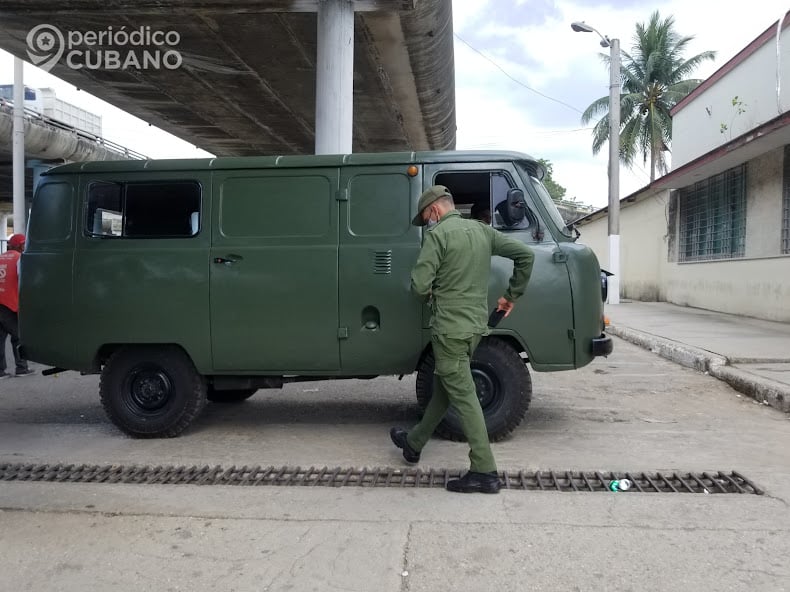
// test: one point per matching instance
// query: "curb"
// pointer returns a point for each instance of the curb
(763, 390)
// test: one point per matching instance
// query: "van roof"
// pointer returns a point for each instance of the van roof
(264, 162)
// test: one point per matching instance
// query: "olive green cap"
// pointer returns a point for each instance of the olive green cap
(429, 196)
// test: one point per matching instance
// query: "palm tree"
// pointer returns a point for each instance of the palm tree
(653, 81)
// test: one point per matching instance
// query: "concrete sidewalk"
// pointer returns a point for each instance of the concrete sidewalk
(751, 355)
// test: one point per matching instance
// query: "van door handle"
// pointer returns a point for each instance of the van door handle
(229, 260)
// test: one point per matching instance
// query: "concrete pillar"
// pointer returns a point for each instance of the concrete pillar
(18, 158)
(334, 96)
(614, 171)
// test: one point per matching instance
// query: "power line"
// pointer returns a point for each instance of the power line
(530, 132)
(501, 69)
(633, 166)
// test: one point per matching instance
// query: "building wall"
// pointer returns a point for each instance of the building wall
(740, 98)
(764, 205)
(757, 285)
(595, 235)
(751, 287)
(697, 126)
(643, 244)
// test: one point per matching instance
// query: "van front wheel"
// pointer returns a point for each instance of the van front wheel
(151, 391)
(503, 385)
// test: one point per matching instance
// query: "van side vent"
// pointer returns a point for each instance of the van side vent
(382, 262)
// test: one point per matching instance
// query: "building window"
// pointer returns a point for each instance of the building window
(786, 204)
(713, 217)
(166, 209)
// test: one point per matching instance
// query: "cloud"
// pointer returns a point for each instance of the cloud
(533, 42)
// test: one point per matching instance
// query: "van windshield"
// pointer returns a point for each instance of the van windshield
(545, 199)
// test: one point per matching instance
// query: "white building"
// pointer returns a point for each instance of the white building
(714, 233)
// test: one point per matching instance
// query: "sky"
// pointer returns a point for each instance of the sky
(508, 53)
(533, 42)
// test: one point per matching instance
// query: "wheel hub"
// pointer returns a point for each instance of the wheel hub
(150, 389)
(485, 386)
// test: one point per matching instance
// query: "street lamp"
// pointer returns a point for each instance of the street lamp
(614, 157)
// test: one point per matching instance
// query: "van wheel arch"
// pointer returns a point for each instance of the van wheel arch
(151, 391)
(106, 351)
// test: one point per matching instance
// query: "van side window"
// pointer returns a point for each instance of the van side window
(482, 195)
(51, 220)
(167, 209)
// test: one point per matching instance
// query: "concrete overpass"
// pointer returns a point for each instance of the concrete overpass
(49, 142)
(248, 78)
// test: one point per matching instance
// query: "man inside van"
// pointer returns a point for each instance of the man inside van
(481, 211)
(9, 301)
(452, 270)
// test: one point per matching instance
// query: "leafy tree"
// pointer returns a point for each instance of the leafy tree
(654, 79)
(556, 191)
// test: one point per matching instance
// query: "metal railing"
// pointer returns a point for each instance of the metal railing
(36, 117)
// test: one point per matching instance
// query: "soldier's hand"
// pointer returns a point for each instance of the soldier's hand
(504, 304)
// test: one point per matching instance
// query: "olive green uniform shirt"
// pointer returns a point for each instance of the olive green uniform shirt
(453, 269)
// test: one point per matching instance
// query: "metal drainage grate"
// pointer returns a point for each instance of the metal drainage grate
(707, 482)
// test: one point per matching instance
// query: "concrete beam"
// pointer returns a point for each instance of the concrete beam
(247, 83)
(388, 52)
(147, 7)
(428, 31)
(50, 143)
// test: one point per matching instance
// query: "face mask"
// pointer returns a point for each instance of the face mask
(430, 223)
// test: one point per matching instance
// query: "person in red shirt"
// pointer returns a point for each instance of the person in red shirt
(9, 303)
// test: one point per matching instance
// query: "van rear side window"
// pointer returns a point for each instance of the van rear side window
(168, 209)
(51, 217)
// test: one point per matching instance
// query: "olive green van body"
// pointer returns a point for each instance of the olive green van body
(293, 266)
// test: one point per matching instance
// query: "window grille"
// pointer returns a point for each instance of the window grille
(713, 217)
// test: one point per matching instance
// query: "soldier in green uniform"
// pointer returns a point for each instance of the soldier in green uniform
(452, 271)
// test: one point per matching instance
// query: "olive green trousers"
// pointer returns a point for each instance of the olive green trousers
(453, 385)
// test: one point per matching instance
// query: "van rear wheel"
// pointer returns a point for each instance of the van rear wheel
(151, 391)
(503, 385)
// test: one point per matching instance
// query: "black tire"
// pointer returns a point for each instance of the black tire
(151, 391)
(504, 388)
(231, 396)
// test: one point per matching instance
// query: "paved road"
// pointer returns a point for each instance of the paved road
(633, 411)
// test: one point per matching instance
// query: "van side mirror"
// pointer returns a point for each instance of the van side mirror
(516, 207)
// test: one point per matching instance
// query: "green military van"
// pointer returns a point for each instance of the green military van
(182, 281)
